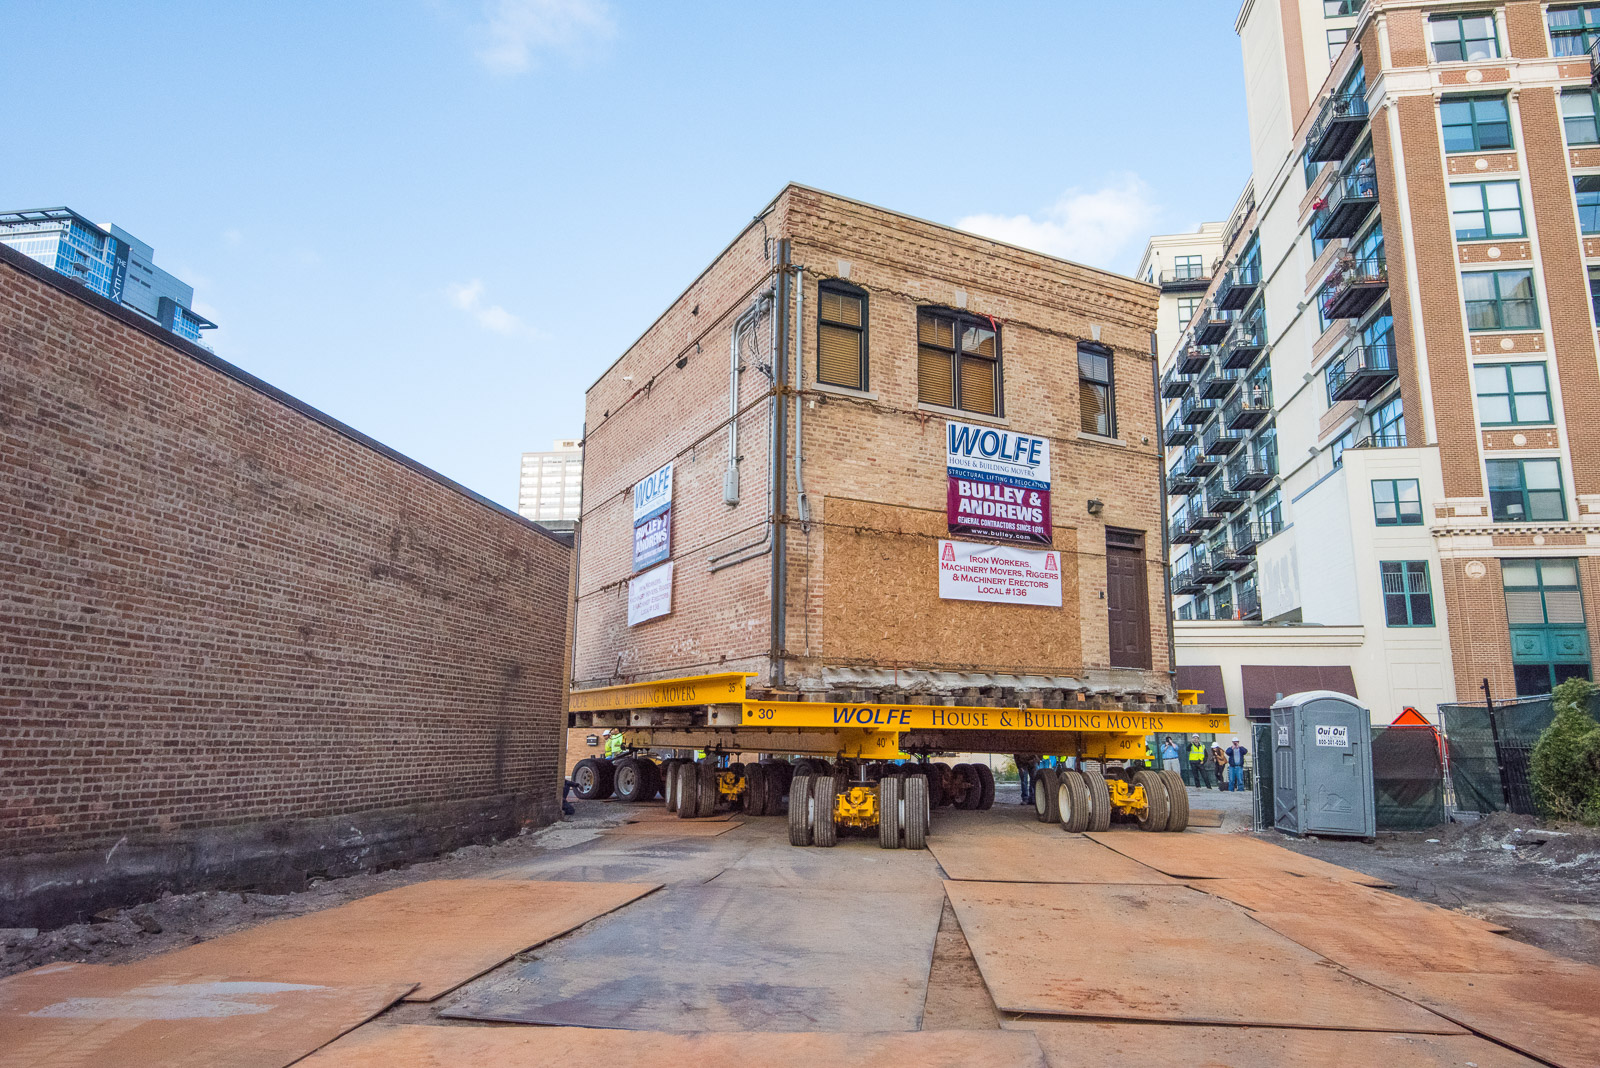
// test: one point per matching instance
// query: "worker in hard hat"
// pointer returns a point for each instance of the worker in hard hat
(1196, 762)
(613, 745)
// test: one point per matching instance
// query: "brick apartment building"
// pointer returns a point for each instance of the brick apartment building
(856, 339)
(1407, 296)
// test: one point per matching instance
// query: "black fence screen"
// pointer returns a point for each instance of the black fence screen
(1488, 760)
(1407, 778)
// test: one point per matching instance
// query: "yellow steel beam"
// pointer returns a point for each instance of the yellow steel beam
(898, 718)
(662, 693)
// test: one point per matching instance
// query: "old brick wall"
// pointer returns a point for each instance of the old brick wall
(241, 643)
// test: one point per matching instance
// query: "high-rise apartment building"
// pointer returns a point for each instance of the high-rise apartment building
(1408, 305)
(108, 260)
(551, 484)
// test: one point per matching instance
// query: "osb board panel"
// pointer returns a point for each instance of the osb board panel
(724, 958)
(93, 1016)
(1402, 942)
(1160, 953)
(1031, 858)
(880, 599)
(1095, 1044)
(1222, 856)
(674, 828)
(1205, 817)
(416, 1046)
(435, 934)
(652, 814)
(1551, 1014)
(1324, 897)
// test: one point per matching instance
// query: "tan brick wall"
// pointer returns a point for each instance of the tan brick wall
(1525, 25)
(1480, 638)
(1408, 43)
(1395, 240)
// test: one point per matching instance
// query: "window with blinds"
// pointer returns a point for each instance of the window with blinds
(841, 335)
(1096, 409)
(958, 362)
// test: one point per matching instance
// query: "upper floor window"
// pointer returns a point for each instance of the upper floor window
(958, 362)
(1342, 444)
(1594, 292)
(1459, 37)
(1511, 394)
(1500, 300)
(1475, 123)
(1188, 267)
(1573, 29)
(1587, 189)
(1096, 391)
(1487, 209)
(1407, 595)
(1337, 39)
(1523, 491)
(1542, 593)
(1332, 9)
(1578, 116)
(1389, 425)
(1397, 502)
(1186, 309)
(841, 335)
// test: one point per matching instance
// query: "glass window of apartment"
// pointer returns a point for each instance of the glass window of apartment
(1586, 187)
(1186, 309)
(1511, 394)
(1407, 595)
(1188, 267)
(1333, 9)
(1594, 292)
(1578, 117)
(958, 362)
(1096, 394)
(1573, 29)
(1186, 610)
(1337, 39)
(1312, 169)
(1475, 123)
(841, 335)
(1389, 424)
(1487, 209)
(1222, 603)
(1526, 491)
(1549, 638)
(1269, 514)
(1499, 300)
(1397, 502)
(1347, 440)
(1458, 37)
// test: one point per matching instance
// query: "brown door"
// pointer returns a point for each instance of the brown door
(1127, 599)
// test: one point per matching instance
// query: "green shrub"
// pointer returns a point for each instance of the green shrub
(1566, 760)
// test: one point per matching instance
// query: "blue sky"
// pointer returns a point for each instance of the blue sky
(439, 220)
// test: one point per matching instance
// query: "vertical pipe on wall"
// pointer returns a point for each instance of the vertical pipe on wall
(802, 507)
(780, 489)
(1166, 533)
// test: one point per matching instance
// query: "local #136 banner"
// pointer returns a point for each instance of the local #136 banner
(999, 484)
(652, 519)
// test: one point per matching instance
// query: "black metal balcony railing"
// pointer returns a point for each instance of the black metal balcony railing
(1346, 205)
(1236, 561)
(1249, 603)
(1196, 409)
(1253, 472)
(1196, 464)
(1211, 325)
(1218, 382)
(1199, 518)
(1353, 286)
(1192, 358)
(1175, 385)
(1269, 524)
(1219, 442)
(1220, 500)
(1248, 408)
(1178, 432)
(1383, 439)
(1243, 536)
(1206, 568)
(1244, 343)
(1338, 124)
(1361, 372)
(1238, 286)
(1184, 583)
(1180, 530)
(1594, 64)
(1183, 279)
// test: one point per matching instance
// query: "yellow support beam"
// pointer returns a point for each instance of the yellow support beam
(727, 687)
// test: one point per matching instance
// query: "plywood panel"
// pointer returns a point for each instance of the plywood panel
(1222, 856)
(435, 934)
(1032, 858)
(93, 1016)
(1159, 953)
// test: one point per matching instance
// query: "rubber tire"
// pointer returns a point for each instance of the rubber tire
(688, 791)
(777, 787)
(1099, 800)
(935, 783)
(628, 780)
(800, 811)
(1045, 782)
(964, 783)
(941, 771)
(1157, 807)
(1178, 801)
(670, 792)
(652, 779)
(986, 786)
(919, 813)
(1072, 802)
(755, 789)
(707, 778)
(824, 832)
(889, 812)
(599, 779)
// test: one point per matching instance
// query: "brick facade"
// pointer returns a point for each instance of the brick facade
(241, 642)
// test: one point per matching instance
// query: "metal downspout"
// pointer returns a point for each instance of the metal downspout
(1166, 534)
(780, 488)
(802, 506)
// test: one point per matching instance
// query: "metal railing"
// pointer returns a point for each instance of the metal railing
(1349, 275)
(1325, 141)
(1364, 368)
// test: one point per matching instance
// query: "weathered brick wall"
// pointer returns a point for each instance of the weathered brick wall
(240, 643)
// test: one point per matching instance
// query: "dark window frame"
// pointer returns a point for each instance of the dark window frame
(834, 285)
(1485, 213)
(1475, 124)
(1109, 383)
(1500, 300)
(1394, 500)
(1461, 39)
(1410, 596)
(1585, 32)
(1511, 393)
(1525, 502)
(1588, 225)
(1591, 120)
(958, 319)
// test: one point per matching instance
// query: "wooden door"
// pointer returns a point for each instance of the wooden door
(1127, 599)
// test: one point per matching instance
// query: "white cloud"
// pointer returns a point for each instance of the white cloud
(516, 31)
(468, 297)
(1090, 227)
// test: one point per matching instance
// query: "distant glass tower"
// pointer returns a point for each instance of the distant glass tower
(551, 485)
(108, 260)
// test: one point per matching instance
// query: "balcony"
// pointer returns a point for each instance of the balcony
(1594, 65)
(1248, 408)
(1181, 532)
(1238, 286)
(1180, 483)
(1196, 464)
(1353, 286)
(1205, 568)
(1387, 439)
(1211, 325)
(1200, 519)
(1219, 442)
(1250, 473)
(1178, 433)
(1271, 524)
(1217, 383)
(1243, 536)
(1184, 583)
(1339, 124)
(1196, 409)
(1175, 385)
(1244, 343)
(1361, 373)
(1220, 500)
(1236, 561)
(1347, 204)
(1185, 280)
(1192, 359)
(1249, 603)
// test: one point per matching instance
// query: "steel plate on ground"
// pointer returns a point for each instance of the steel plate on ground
(722, 958)
(1095, 1044)
(1222, 856)
(436, 934)
(854, 864)
(645, 860)
(1323, 897)
(1160, 953)
(1058, 858)
(1552, 1014)
(418, 1046)
(661, 815)
(1402, 943)
(94, 1016)
(1205, 817)
(674, 828)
